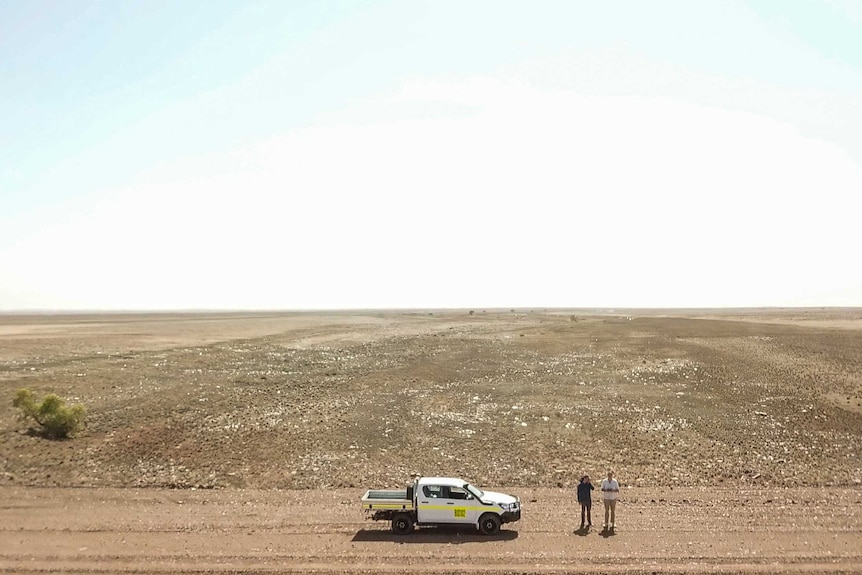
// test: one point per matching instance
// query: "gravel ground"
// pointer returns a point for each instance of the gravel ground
(735, 436)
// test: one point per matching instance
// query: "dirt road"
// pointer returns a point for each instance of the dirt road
(250, 531)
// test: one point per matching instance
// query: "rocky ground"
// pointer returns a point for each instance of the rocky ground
(762, 407)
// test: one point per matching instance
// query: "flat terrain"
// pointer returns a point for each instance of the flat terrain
(220, 443)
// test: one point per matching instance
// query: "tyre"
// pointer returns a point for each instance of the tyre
(402, 524)
(489, 524)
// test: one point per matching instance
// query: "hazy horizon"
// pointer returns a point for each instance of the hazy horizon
(477, 310)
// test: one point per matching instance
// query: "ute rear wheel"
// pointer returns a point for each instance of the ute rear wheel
(402, 524)
(489, 524)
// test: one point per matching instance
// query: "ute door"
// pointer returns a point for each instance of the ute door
(430, 504)
(462, 507)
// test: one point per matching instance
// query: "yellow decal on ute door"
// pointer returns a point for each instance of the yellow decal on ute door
(460, 512)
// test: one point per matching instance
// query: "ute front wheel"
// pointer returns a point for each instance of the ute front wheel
(489, 524)
(402, 524)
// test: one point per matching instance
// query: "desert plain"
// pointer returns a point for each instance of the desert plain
(242, 442)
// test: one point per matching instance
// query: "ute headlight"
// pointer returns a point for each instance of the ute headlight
(508, 506)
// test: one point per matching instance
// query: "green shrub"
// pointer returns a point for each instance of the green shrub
(55, 418)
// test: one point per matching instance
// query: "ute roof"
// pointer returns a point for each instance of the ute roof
(448, 481)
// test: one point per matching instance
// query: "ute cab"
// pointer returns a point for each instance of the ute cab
(443, 500)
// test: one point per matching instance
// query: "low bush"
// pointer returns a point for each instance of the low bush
(55, 419)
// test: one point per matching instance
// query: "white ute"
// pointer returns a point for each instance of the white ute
(441, 501)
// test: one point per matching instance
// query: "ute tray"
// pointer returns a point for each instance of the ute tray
(388, 499)
(386, 494)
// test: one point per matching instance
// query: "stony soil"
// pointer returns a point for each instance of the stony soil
(735, 435)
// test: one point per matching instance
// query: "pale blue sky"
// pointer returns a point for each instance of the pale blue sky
(158, 155)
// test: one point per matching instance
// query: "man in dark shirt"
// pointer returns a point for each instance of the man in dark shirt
(585, 499)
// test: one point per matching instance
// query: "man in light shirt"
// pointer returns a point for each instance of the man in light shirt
(610, 490)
